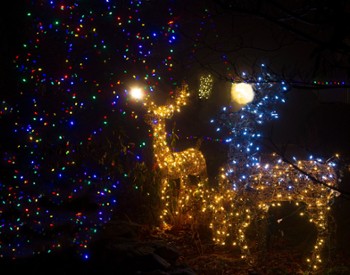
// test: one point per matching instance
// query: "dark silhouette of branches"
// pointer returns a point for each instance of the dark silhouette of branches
(304, 40)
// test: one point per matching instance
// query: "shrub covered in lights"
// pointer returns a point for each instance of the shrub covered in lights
(68, 139)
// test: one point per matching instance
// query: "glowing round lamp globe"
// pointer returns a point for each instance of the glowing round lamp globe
(242, 93)
(136, 93)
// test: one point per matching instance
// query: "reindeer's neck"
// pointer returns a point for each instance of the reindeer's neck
(160, 147)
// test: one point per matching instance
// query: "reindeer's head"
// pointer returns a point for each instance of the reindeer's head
(156, 113)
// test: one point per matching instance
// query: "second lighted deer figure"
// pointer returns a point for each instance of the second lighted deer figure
(174, 165)
(270, 184)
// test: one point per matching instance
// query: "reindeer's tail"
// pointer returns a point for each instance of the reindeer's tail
(199, 143)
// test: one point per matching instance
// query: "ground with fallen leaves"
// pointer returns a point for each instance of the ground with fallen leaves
(207, 258)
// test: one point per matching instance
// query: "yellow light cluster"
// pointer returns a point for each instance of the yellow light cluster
(233, 210)
(205, 86)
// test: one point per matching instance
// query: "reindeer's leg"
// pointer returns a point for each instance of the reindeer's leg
(263, 235)
(242, 226)
(185, 201)
(166, 212)
(222, 218)
(319, 216)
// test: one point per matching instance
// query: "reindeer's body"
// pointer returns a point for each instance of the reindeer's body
(188, 162)
(173, 165)
(236, 209)
(176, 165)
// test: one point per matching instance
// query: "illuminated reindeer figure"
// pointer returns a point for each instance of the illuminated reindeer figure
(248, 187)
(173, 165)
(235, 208)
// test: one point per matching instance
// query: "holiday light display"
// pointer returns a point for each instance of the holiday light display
(172, 164)
(65, 148)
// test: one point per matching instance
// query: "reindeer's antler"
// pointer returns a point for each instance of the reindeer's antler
(181, 97)
(166, 111)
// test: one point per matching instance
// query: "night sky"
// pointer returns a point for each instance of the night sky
(71, 135)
